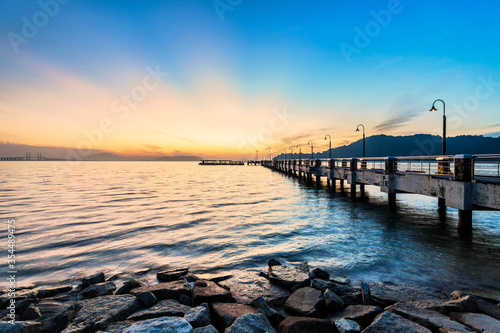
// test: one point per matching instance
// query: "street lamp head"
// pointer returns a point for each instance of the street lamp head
(357, 129)
(433, 109)
(310, 142)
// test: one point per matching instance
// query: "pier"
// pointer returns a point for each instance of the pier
(463, 182)
(221, 162)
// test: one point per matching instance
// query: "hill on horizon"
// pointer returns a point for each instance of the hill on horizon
(413, 145)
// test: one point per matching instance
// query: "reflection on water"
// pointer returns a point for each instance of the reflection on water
(77, 218)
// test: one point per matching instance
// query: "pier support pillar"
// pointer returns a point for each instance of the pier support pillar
(465, 220)
(392, 199)
(441, 203)
(362, 189)
(353, 190)
(342, 185)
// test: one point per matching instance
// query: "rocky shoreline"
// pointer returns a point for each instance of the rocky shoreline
(279, 298)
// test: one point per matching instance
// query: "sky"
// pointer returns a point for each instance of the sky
(231, 77)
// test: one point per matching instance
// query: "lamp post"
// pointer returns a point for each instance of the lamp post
(270, 155)
(444, 121)
(256, 155)
(300, 153)
(330, 144)
(364, 138)
(312, 151)
(291, 152)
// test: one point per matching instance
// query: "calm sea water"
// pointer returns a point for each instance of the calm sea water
(74, 219)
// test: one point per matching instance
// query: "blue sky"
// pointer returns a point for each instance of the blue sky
(228, 71)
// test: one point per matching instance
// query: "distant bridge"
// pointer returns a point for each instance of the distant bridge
(464, 182)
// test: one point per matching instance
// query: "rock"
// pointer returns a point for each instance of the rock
(390, 293)
(198, 316)
(388, 322)
(340, 280)
(464, 304)
(274, 316)
(160, 325)
(55, 315)
(93, 279)
(186, 300)
(208, 292)
(97, 313)
(214, 277)
(490, 295)
(205, 329)
(362, 314)
(22, 306)
(20, 327)
(169, 307)
(31, 313)
(433, 320)
(306, 325)
(54, 290)
(477, 321)
(339, 289)
(147, 298)
(318, 273)
(491, 310)
(166, 290)
(273, 262)
(306, 302)
(171, 275)
(347, 326)
(290, 278)
(246, 286)
(366, 295)
(99, 289)
(224, 314)
(333, 302)
(251, 323)
(128, 286)
(190, 277)
(352, 299)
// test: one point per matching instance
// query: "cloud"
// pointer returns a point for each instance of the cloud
(403, 109)
(170, 136)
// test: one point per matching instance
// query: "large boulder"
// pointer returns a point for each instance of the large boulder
(347, 326)
(99, 289)
(337, 288)
(390, 293)
(166, 308)
(291, 278)
(167, 290)
(205, 291)
(160, 325)
(224, 314)
(205, 329)
(427, 318)
(246, 286)
(55, 315)
(490, 295)
(20, 327)
(53, 290)
(93, 279)
(198, 316)
(97, 313)
(389, 322)
(306, 325)
(128, 286)
(477, 321)
(333, 302)
(306, 302)
(251, 323)
(362, 314)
